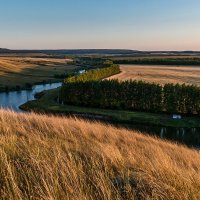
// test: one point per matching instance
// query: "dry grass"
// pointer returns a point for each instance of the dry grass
(45, 157)
(22, 70)
(160, 74)
(18, 64)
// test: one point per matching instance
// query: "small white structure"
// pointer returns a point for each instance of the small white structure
(82, 71)
(177, 116)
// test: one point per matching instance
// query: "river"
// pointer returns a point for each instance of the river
(12, 100)
(189, 136)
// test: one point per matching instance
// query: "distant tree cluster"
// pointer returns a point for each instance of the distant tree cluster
(132, 95)
(94, 75)
(160, 61)
(64, 76)
(90, 62)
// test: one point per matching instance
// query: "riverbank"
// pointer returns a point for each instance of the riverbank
(29, 87)
(48, 104)
(13, 99)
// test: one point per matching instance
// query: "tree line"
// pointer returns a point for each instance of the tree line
(94, 75)
(160, 61)
(132, 95)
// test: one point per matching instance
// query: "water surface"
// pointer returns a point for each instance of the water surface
(12, 100)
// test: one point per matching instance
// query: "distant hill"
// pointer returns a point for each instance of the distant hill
(75, 51)
(109, 52)
(3, 50)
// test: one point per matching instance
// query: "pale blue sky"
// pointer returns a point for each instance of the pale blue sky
(130, 24)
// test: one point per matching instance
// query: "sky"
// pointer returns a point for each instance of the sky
(89, 24)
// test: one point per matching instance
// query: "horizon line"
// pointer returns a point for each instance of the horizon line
(72, 49)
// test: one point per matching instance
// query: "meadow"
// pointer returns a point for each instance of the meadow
(18, 72)
(48, 157)
(160, 74)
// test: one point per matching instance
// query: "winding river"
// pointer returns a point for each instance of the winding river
(12, 100)
(189, 136)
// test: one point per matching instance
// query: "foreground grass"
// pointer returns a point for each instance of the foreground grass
(43, 157)
(47, 104)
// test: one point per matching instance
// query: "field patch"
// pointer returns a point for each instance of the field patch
(160, 74)
(20, 71)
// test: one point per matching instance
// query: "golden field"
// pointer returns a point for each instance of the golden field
(160, 74)
(22, 70)
(46, 157)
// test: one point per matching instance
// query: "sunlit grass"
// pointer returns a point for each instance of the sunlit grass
(46, 157)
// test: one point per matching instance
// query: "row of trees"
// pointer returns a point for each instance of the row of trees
(133, 95)
(181, 98)
(94, 75)
(159, 61)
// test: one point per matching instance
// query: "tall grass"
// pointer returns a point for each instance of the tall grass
(46, 157)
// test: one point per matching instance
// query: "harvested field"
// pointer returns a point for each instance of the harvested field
(160, 74)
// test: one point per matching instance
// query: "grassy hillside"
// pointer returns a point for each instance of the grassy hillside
(20, 71)
(45, 157)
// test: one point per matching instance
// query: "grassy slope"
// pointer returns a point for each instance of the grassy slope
(21, 70)
(45, 157)
(48, 104)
